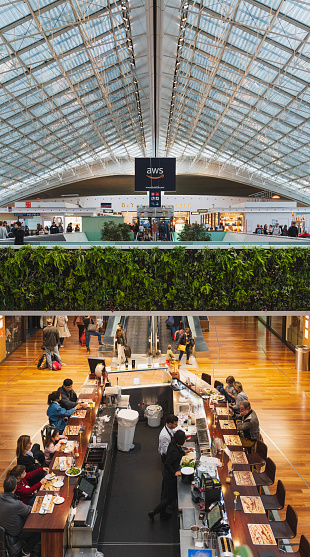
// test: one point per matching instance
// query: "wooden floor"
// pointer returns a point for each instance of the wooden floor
(239, 346)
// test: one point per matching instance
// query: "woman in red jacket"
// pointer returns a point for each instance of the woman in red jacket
(26, 493)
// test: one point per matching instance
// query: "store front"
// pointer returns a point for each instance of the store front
(227, 221)
(292, 330)
(17, 330)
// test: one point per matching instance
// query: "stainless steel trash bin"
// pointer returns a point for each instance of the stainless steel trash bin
(302, 357)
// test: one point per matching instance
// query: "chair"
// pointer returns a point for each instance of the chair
(304, 548)
(267, 477)
(206, 377)
(218, 384)
(274, 502)
(10, 545)
(259, 457)
(285, 529)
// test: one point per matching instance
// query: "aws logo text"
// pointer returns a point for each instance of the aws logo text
(151, 171)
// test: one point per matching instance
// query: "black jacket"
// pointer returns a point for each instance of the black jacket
(173, 459)
(292, 232)
(12, 513)
(87, 321)
(19, 236)
(68, 398)
(121, 339)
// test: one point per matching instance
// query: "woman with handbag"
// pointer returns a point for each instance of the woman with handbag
(90, 330)
(60, 323)
(185, 343)
(121, 341)
(78, 320)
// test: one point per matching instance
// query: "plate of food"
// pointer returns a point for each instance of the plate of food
(50, 476)
(73, 471)
(59, 483)
(58, 500)
(220, 397)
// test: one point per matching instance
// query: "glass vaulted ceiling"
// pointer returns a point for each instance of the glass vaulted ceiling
(76, 99)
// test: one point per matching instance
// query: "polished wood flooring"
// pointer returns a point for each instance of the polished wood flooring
(239, 346)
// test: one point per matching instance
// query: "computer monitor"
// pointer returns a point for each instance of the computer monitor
(215, 516)
(86, 487)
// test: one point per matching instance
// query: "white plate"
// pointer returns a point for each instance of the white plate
(58, 484)
(66, 451)
(49, 476)
(72, 475)
(59, 500)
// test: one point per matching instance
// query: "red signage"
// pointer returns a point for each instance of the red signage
(28, 203)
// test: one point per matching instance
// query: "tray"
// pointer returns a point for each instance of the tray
(233, 440)
(252, 504)
(261, 534)
(244, 478)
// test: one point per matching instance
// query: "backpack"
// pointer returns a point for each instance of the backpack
(42, 363)
(177, 334)
(170, 321)
(61, 321)
(56, 366)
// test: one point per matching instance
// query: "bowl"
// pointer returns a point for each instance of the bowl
(67, 472)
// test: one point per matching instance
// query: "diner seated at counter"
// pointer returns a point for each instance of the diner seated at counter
(69, 397)
(247, 425)
(29, 455)
(229, 391)
(52, 444)
(24, 491)
(57, 415)
(241, 395)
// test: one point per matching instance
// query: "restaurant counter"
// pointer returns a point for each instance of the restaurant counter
(187, 402)
(59, 528)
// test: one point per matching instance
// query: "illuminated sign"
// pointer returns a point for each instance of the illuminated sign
(155, 174)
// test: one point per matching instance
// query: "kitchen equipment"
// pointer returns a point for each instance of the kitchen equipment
(195, 532)
(225, 546)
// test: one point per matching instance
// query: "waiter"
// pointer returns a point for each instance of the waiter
(166, 435)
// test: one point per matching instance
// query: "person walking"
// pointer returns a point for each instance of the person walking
(50, 343)
(60, 323)
(121, 340)
(90, 330)
(170, 472)
(185, 343)
(54, 228)
(78, 320)
(293, 230)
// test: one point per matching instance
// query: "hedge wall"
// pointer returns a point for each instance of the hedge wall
(152, 279)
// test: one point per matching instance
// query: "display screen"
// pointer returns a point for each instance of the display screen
(155, 173)
(86, 487)
(214, 516)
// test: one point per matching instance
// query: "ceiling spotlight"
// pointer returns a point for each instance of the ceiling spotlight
(276, 197)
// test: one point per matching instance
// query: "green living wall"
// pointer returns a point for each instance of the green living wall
(153, 279)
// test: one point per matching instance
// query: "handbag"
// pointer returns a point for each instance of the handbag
(182, 347)
(127, 351)
(91, 327)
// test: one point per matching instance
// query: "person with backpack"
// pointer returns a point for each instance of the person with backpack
(90, 330)
(50, 343)
(185, 344)
(60, 323)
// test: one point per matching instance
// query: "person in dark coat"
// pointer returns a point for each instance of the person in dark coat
(69, 398)
(293, 231)
(170, 472)
(54, 229)
(186, 339)
(18, 234)
(30, 456)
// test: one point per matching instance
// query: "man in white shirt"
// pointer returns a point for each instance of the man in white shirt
(166, 435)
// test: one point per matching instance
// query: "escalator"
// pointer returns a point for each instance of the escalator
(165, 336)
(137, 332)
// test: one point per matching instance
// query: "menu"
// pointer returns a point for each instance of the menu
(237, 457)
(62, 462)
(233, 440)
(252, 504)
(79, 414)
(244, 478)
(72, 430)
(227, 424)
(221, 411)
(261, 534)
(38, 503)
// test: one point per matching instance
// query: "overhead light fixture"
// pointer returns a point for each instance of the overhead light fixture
(70, 195)
(276, 197)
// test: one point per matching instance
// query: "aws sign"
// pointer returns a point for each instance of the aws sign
(155, 173)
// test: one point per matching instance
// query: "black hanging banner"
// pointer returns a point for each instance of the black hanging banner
(155, 174)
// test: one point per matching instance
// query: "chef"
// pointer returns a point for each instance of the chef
(166, 435)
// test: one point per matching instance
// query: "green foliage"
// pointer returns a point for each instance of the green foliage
(112, 232)
(180, 279)
(194, 233)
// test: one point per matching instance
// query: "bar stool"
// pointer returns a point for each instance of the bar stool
(285, 529)
(304, 548)
(206, 377)
(259, 457)
(274, 502)
(218, 384)
(267, 477)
